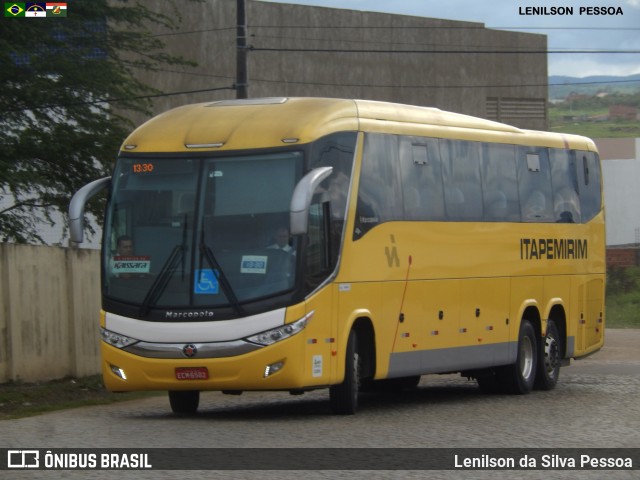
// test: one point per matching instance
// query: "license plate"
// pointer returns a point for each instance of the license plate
(192, 373)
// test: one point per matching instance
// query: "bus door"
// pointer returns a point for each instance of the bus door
(590, 315)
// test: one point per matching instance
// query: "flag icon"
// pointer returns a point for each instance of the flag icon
(56, 9)
(13, 9)
(35, 10)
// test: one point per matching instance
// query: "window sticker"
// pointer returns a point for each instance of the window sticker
(254, 264)
(205, 282)
(130, 264)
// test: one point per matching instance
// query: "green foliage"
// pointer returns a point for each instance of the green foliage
(67, 86)
(596, 103)
(623, 280)
(623, 298)
(588, 116)
(20, 399)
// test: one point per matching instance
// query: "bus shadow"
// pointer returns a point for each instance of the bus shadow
(278, 406)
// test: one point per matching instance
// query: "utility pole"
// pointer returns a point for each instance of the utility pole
(242, 82)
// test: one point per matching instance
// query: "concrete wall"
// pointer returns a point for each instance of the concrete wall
(621, 175)
(510, 87)
(49, 312)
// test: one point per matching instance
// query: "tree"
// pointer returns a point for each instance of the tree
(67, 85)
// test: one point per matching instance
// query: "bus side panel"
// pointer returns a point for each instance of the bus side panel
(448, 325)
(484, 316)
(355, 301)
(526, 292)
(594, 335)
(320, 341)
(588, 315)
(425, 315)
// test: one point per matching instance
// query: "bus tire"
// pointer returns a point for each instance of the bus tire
(344, 396)
(519, 377)
(549, 359)
(184, 401)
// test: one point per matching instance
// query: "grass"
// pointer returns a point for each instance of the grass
(607, 129)
(590, 117)
(576, 122)
(18, 399)
(623, 298)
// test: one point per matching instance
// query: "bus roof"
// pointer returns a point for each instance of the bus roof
(272, 122)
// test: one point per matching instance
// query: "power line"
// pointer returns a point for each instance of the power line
(367, 42)
(185, 92)
(415, 44)
(188, 32)
(116, 100)
(390, 27)
(444, 87)
(467, 52)
(288, 81)
(478, 26)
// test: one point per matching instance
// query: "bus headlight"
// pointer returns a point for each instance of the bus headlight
(115, 339)
(285, 331)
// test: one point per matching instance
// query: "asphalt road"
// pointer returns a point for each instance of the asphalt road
(596, 404)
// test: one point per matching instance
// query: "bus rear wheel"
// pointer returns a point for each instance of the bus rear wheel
(519, 377)
(549, 359)
(184, 401)
(344, 396)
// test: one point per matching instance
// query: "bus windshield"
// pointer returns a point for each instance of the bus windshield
(187, 233)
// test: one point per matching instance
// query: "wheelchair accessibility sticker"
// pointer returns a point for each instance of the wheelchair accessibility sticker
(205, 282)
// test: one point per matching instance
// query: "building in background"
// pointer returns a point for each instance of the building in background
(298, 50)
(621, 176)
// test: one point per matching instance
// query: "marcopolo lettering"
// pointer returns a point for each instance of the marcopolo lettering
(197, 314)
(553, 249)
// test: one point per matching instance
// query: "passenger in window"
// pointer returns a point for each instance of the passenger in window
(497, 208)
(282, 239)
(565, 217)
(124, 246)
(535, 207)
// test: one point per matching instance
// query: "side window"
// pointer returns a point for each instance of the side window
(379, 193)
(318, 248)
(588, 166)
(461, 180)
(337, 151)
(499, 183)
(566, 201)
(421, 179)
(534, 185)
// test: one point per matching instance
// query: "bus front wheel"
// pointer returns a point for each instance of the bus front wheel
(344, 396)
(184, 401)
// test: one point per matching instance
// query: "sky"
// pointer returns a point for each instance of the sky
(579, 31)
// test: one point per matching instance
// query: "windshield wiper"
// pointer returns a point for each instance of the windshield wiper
(222, 278)
(162, 280)
(167, 271)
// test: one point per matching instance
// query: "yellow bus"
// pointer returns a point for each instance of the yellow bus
(302, 243)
